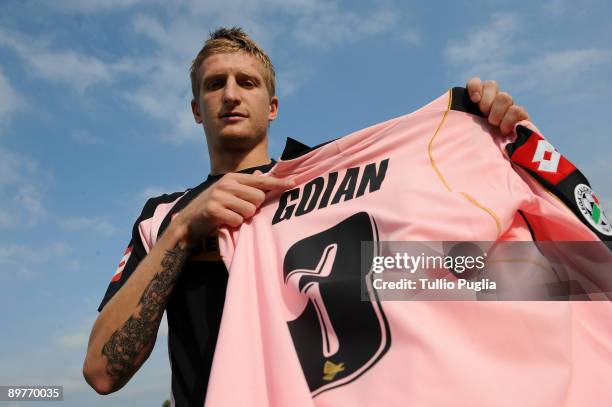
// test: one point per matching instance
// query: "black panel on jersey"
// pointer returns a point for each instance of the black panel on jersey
(522, 136)
(461, 102)
(294, 149)
(194, 307)
(138, 250)
(194, 313)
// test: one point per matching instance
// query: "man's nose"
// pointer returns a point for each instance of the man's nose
(231, 93)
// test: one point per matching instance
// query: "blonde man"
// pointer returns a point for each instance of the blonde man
(172, 261)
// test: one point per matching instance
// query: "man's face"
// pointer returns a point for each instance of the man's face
(234, 103)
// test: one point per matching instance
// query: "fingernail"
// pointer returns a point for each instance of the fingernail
(290, 183)
(475, 96)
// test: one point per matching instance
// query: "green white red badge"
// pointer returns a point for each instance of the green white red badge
(591, 209)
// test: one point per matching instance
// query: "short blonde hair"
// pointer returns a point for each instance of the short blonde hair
(227, 40)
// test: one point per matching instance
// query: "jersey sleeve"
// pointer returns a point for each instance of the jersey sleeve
(552, 177)
(564, 217)
(551, 170)
(144, 235)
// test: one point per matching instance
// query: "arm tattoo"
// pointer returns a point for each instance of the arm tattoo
(126, 343)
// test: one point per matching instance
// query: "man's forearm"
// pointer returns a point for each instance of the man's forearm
(124, 333)
(126, 343)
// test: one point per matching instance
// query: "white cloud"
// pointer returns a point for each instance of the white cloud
(64, 66)
(85, 138)
(77, 70)
(10, 100)
(29, 198)
(330, 26)
(412, 38)
(183, 36)
(21, 190)
(77, 336)
(568, 65)
(164, 92)
(90, 6)
(14, 168)
(160, 85)
(26, 262)
(153, 191)
(6, 220)
(502, 51)
(244, 8)
(93, 226)
(19, 253)
(555, 9)
(77, 340)
(173, 108)
(486, 45)
(291, 78)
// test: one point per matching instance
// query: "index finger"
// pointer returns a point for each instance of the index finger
(266, 183)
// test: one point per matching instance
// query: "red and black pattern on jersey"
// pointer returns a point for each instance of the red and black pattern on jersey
(195, 305)
(551, 169)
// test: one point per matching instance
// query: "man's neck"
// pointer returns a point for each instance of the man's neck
(232, 161)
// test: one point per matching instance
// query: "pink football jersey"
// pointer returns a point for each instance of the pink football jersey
(297, 332)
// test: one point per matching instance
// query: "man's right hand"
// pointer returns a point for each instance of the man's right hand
(124, 333)
(230, 201)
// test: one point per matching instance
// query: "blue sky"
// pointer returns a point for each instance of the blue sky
(95, 118)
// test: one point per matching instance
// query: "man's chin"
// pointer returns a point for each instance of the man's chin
(240, 140)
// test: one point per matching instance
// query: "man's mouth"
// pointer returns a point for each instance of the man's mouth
(230, 115)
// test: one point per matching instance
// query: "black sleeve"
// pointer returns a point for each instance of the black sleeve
(135, 251)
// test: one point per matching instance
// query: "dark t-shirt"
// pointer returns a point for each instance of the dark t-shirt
(195, 305)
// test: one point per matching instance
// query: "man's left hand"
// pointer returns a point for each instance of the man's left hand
(498, 107)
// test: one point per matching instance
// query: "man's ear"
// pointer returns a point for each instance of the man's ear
(273, 108)
(195, 109)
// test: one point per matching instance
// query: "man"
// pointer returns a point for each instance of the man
(171, 262)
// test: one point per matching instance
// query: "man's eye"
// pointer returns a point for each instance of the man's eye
(248, 83)
(216, 84)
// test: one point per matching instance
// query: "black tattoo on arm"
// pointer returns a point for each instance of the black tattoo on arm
(126, 343)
